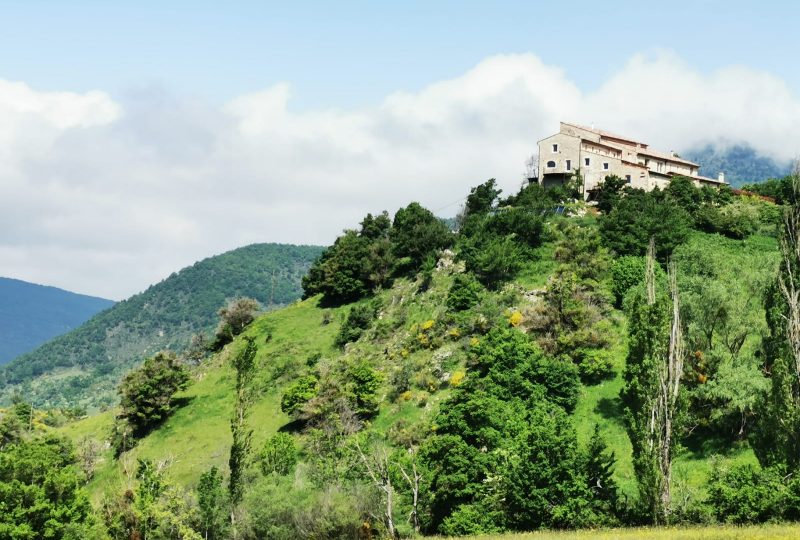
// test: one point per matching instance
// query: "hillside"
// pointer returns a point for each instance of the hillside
(519, 374)
(741, 164)
(83, 366)
(299, 339)
(32, 314)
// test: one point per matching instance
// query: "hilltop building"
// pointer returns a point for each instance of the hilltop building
(597, 154)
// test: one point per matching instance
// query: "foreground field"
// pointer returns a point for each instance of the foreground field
(720, 532)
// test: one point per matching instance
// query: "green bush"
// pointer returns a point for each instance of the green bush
(279, 455)
(298, 394)
(747, 494)
(358, 319)
(465, 292)
(626, 273)
(595, 365)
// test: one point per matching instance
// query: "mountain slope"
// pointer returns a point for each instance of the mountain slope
(32, 314)
(294, 339)
(740, 163)
(83, 366)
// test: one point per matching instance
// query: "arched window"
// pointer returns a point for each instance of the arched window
(551, 164)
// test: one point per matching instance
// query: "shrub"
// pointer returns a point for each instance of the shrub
(147, 393)
(465, 292)
(279, 455)
(626, 273)
(298, 394)
(594, 365)
(234, 318)
(358, 319)
(746, 494)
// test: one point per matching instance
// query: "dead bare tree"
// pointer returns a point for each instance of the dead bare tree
(664, 403)
(377, 466)
(669, 387)
(788, 282)
(412, 478)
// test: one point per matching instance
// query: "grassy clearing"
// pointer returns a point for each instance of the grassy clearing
(720, 532)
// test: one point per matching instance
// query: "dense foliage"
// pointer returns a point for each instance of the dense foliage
(360, 262)
(42, 493)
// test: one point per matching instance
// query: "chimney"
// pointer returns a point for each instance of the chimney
(721, 176)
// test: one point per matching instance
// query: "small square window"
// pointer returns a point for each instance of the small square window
(605, 166)
(569, 164)
(628, 178)
(587, 161)
(555, 148)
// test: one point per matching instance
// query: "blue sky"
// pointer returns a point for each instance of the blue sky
(346, 53)
(139, 137)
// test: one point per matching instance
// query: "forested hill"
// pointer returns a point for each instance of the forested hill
(31, 314)
(84, 365)
(741, 163)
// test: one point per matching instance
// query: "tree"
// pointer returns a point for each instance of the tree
(609, 192)
(777, 438)
(212, 503)
(235, 317)
(639, 216)
(652, 376)
(147, 396)
(41, 492)
(244, 363)
(417, 234)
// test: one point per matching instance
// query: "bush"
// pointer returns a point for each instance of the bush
(595, 365)
(465, 292)
(234, 318)
(298, 394)
(494, 260)
(147, 393)
(626, 273)
(358, 319)
(279, 455)
(746, 494)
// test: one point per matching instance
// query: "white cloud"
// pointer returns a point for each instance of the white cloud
(106, 197)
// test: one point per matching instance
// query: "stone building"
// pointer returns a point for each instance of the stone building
(596, 154)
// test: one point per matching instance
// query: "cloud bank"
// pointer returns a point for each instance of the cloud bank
(106, 196)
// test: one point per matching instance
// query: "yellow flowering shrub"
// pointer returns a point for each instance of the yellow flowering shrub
(457, 377)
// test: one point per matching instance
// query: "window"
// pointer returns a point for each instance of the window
(628, 178)
(551, 164)
(555, 148)
(605, 166)
(587, 161)
(569, 164)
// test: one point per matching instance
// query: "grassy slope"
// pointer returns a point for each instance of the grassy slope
(197, 435)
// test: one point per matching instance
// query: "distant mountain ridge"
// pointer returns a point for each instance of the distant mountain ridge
(741, 163)
(31, 314)
(84, 365)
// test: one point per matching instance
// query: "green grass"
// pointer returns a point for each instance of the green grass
(719, 532)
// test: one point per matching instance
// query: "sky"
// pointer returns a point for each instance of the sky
(139, 137)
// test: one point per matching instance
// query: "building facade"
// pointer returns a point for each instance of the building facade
(596, 154)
